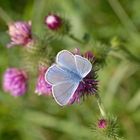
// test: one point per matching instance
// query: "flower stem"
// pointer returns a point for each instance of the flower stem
(4, 16)
(100, 105)
(75, 39)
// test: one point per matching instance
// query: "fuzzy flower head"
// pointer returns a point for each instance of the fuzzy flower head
(42, 87)
(15, 81)
(20, 33)
(53, 21)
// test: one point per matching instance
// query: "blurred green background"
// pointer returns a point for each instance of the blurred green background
(33, 117)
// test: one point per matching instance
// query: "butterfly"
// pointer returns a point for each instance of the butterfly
(66, 74)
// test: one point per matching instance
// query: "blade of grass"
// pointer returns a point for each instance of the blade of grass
(115, 82)
(122, 15)
(134, 103)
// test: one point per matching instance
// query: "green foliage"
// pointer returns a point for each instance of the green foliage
(110, 25)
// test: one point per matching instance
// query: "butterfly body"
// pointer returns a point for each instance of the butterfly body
(66, 75)
(72, 75)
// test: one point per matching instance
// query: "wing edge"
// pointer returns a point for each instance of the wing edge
(69, 98)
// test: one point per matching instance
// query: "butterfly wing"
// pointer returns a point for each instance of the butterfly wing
(64, 91)
(83, 65)
(56, 74)
(63, 85)
(67, 60)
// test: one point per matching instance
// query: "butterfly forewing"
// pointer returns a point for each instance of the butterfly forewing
(83, 65)
(67, 60)
(56, 74)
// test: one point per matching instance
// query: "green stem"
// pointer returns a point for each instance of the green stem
(100, 105)
(4, 16)
(75, 39)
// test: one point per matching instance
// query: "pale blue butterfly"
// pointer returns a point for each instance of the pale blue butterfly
(66, 74)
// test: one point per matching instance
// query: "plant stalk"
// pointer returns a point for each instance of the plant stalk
(75, 39)
(100, 105)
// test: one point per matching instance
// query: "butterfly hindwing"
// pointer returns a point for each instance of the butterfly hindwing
(63, 92)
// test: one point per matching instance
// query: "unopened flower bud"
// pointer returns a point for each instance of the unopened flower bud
(102, 123)
(53, 22)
